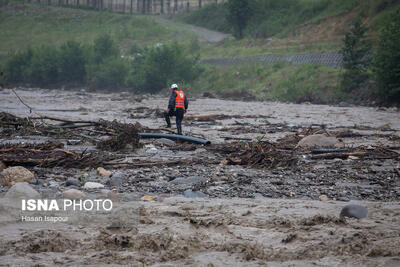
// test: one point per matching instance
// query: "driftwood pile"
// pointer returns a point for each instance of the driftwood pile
(120, 134)
(115, 136)
(47, 155)
(123, 134)
(261, 154)
(284, 153)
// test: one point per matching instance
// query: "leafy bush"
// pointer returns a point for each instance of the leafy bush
(103, 48)
(72, 63)
(15, 67)
(110, 74)
(165, 64)
(387, 58)
(106, 69)
(43, 68)
(100, 66)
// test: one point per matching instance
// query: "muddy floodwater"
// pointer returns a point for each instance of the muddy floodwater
(201, 206)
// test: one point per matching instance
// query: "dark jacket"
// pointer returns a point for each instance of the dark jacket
(171, 104)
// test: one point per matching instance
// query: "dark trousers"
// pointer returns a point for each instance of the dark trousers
(178, 113)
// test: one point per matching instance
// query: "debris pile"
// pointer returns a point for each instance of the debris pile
(12, 124)
(258, 154)
(123, 134)
(47, 155)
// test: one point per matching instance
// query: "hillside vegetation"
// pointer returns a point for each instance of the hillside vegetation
(30, 25)
(151, 53)
(277, 18)
(292, 26)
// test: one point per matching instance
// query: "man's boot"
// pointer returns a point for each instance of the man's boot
(166, 115)
(179, 130)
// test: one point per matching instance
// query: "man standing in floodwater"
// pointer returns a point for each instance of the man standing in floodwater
(177, 106)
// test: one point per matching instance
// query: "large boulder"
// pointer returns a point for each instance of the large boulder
(22, 191)
(13, 175)
(319, 141)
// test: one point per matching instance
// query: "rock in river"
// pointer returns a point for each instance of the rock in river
(319, 141)
(72, 181)
(13, 175)
(117, 179)
(22, 191)
(103, 172)
(354, 211)
(93, 185)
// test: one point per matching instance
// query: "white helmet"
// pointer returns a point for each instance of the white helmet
(174, 86)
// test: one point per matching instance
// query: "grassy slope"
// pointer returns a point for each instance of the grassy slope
(313, 27)
(24, 25)
(318, 84)
(311, 83)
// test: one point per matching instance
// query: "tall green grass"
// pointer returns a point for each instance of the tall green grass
(24, 25)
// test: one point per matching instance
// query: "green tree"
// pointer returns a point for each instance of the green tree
(239, 14)
(356, 57)
(387, 60)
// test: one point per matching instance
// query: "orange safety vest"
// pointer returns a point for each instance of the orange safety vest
(180, 99)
